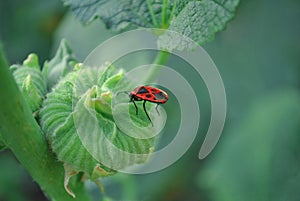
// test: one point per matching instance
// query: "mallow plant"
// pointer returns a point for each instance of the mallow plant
(44, 106)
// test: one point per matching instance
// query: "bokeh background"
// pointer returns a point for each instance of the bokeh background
(258, 56)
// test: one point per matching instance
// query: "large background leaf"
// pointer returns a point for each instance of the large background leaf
(118, 15)
(199, 20)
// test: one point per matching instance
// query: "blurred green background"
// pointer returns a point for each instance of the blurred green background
(258, 155)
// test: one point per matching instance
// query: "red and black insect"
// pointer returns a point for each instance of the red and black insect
(150, 94)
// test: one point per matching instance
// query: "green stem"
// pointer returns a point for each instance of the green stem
(161, 58)
(164, 24)
(152, 13)
(22, 135)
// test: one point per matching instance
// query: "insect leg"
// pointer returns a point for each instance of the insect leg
(136, 108)
(157, 109)
(144, 106)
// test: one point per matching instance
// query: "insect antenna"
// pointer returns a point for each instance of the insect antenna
(131, 100)
(125, 92)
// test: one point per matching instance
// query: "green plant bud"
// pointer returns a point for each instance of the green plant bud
(30, 80)
(62, 63)
(32, 61)
(31, 94)
(81, 103)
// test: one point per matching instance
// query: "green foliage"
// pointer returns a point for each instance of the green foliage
(122, 15)
(260, 159)
(30, 81)
(24, 138)
(54, 91)
(87, 94)
(254, 58)
(199, 20)
(60, 65)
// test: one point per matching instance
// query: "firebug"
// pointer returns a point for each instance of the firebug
(150, 94)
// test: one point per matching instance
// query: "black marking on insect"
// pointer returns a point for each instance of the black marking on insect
(147, 93)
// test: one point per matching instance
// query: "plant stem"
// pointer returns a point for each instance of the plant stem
(164, 24)
(161, 58)
(149, 5)
(22, 135)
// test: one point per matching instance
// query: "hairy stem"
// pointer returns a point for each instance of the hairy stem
(161, 58)
(22, 135)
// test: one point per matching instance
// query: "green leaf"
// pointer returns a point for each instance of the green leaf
(259, 159)
(199, 21)
(111, 82)
(122, 15)
(58, 125)
(180, 4)
(60, 65)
